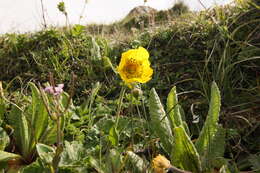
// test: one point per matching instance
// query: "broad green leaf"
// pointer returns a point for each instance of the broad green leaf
(96, 165)
(173, 108)
(184, 154)
(64, 101)
(35, 167)
(21, 132)
(72, 152)
(210, 127)
(5, 156)
(113, 162)
(214, 154)
(4, 139)
(113, 136)
(50, 135)
(136, 163)
(185, 126)
(45, 152)
(160, 124)
(38, 115)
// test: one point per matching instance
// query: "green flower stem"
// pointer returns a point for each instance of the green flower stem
(59, 148)
(121, 96)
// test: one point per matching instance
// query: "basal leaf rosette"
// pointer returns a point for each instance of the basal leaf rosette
(135, 67)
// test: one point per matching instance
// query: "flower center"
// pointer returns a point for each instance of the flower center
(132, 70)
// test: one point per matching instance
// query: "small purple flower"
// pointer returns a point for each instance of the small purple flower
(54, 90)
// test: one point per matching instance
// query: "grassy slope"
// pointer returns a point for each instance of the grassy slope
(189, 51)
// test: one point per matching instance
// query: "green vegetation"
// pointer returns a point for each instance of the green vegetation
(212, 58)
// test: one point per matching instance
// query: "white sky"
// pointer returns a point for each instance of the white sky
(26, 15)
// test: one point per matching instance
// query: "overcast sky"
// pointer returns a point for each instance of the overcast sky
(26, 15)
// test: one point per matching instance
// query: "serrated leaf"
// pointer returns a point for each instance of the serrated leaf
(137, 164)
(113, 161)
(184, 154)
(4, 139)
(50, 135)
(214, 154)
(113, 136)
(72, 152)
(21, 131)
(210, 126)
(5, 156)
(173, 108)
(96, 165)
(38, 115)
(45, 152)
(35, 167)
(160, 123)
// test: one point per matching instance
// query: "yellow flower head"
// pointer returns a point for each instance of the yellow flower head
(160, 164)
(135, 66)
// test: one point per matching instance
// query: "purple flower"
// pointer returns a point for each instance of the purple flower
(54, 90)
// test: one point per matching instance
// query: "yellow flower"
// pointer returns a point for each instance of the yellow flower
(160, 164)
(135, 66)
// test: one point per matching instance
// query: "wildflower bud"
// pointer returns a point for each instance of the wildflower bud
(54, 90)
(137, 92)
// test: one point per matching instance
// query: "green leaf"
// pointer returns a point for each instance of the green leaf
(21, 132)
(95, 50)
(136, 163)
(173, 108)
(35, 167)
(113, 136)
(50, 135)
(4, 139)
(214, 154)
(107, 64)
(113, 161)
(184, 154)
(2, 109)
(5, 156)
(38, 115)
(224, 169)
(210, 126)
(96, 165)
(86, 106)
(72, 152)
(160, 124)
(46, 153)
